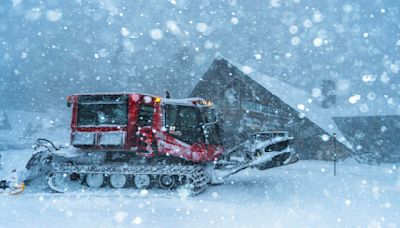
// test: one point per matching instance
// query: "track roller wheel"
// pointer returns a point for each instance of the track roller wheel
(167, 181)
(95, 180)
(74, 176)
(142, 181)
(58, 182)
(117, 180)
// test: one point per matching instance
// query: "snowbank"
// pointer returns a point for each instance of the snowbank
(26, 127)
(305, 194)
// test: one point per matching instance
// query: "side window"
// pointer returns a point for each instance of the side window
(188, 117)
(171, 112)
(145, 115)
(183, 123)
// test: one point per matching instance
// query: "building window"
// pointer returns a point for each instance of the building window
(253, 106)
(231, 98)
(232, 95)
(239, 95)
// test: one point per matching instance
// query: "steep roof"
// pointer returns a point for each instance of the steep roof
(298, 99)
(379, 106)
(384, 130)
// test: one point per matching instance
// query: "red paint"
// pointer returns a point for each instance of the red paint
(156, 141)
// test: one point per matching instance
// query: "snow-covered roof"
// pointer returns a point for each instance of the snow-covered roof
(378, 106)
(298, 99)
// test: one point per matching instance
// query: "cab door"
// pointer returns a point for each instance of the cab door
(145, 136)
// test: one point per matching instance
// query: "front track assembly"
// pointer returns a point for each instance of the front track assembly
(195, 178)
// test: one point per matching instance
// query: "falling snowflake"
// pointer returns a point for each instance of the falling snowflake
(247, 69)
(54, 15)
(201, 27)
(353, 99)
(137, 220)
(234, 20)
(156, 34)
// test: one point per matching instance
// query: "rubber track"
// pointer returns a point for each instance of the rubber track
(196, 173)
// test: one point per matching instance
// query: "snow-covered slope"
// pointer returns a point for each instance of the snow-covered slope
(305, 194)
(27, 126)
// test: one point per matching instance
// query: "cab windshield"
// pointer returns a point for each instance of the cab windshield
(192, 124)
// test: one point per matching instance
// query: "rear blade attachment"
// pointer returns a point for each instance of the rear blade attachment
(265, 154)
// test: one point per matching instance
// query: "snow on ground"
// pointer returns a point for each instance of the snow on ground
(26, 127)
(305, 194)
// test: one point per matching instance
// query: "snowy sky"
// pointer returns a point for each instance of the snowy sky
(50, 49)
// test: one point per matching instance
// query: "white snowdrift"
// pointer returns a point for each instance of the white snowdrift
(305, 194)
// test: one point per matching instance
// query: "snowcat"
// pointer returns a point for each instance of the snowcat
(145, 141)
